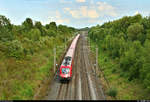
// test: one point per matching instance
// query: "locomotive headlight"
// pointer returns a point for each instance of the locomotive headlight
(67, 70)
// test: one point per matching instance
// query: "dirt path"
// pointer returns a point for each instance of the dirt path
(83, 85)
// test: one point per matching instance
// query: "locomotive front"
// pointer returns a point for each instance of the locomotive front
(66, 69)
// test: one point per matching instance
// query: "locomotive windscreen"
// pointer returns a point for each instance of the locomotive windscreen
(67, 61)
(68, 58)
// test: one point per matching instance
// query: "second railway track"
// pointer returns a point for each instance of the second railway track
(83, 85)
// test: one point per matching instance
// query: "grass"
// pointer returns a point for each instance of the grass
(126, 90)
(21, 79)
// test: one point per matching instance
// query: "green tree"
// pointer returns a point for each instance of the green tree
(135, 31)
(5, 29)
(51, 32)
(15, 49)
(28, 24)
(38, 25)
(145, 70)
(34, 34)
(148, 35)
(126, 40)
(136, 19)
(53, 26)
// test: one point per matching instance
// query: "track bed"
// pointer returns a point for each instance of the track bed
(83, 85)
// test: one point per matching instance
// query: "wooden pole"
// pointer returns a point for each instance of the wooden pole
(96, 59)
(54, 59)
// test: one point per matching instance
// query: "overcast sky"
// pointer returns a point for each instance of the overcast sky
(76, 13)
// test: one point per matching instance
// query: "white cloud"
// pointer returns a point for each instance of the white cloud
(93, 14)
(58, 18)
(106, 9)
(74, 13)
(61, 21)
(58, 15)
(80, 0)
(82, 12)
(92, 21)
(92, 11)
(3, 9)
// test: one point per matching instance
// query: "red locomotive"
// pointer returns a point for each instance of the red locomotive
(65, 70)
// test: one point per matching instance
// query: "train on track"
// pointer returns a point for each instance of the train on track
(65, 70)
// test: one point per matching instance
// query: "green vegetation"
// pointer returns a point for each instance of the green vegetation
(124, 47)
(112, 92)
(26, 53)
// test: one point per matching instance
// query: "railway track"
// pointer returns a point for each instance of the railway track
(83, 85)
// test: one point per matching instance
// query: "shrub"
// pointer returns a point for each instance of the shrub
(27, 91)
(34, 34)
(114, 70)
(134, 31)
(15, 49)
(112, 92)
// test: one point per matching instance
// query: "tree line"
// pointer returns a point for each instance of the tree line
(127, 42)
(20, 40)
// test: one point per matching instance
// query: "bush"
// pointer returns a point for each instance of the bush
(112, 92)
(15, 49)
(134, 31)
(5, 29)
(27, 91)
(114, 70)
(34, 34)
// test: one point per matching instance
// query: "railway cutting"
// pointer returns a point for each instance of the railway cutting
(82, 84)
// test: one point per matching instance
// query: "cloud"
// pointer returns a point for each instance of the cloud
(74, 13)
(61, 21)
(92, 11)
(92, 21)
(80, 0)
(93, 14)
(106, 9)
(3, 9)
(91, 2)
(58, 18)
(82, 12)
(58, 15)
